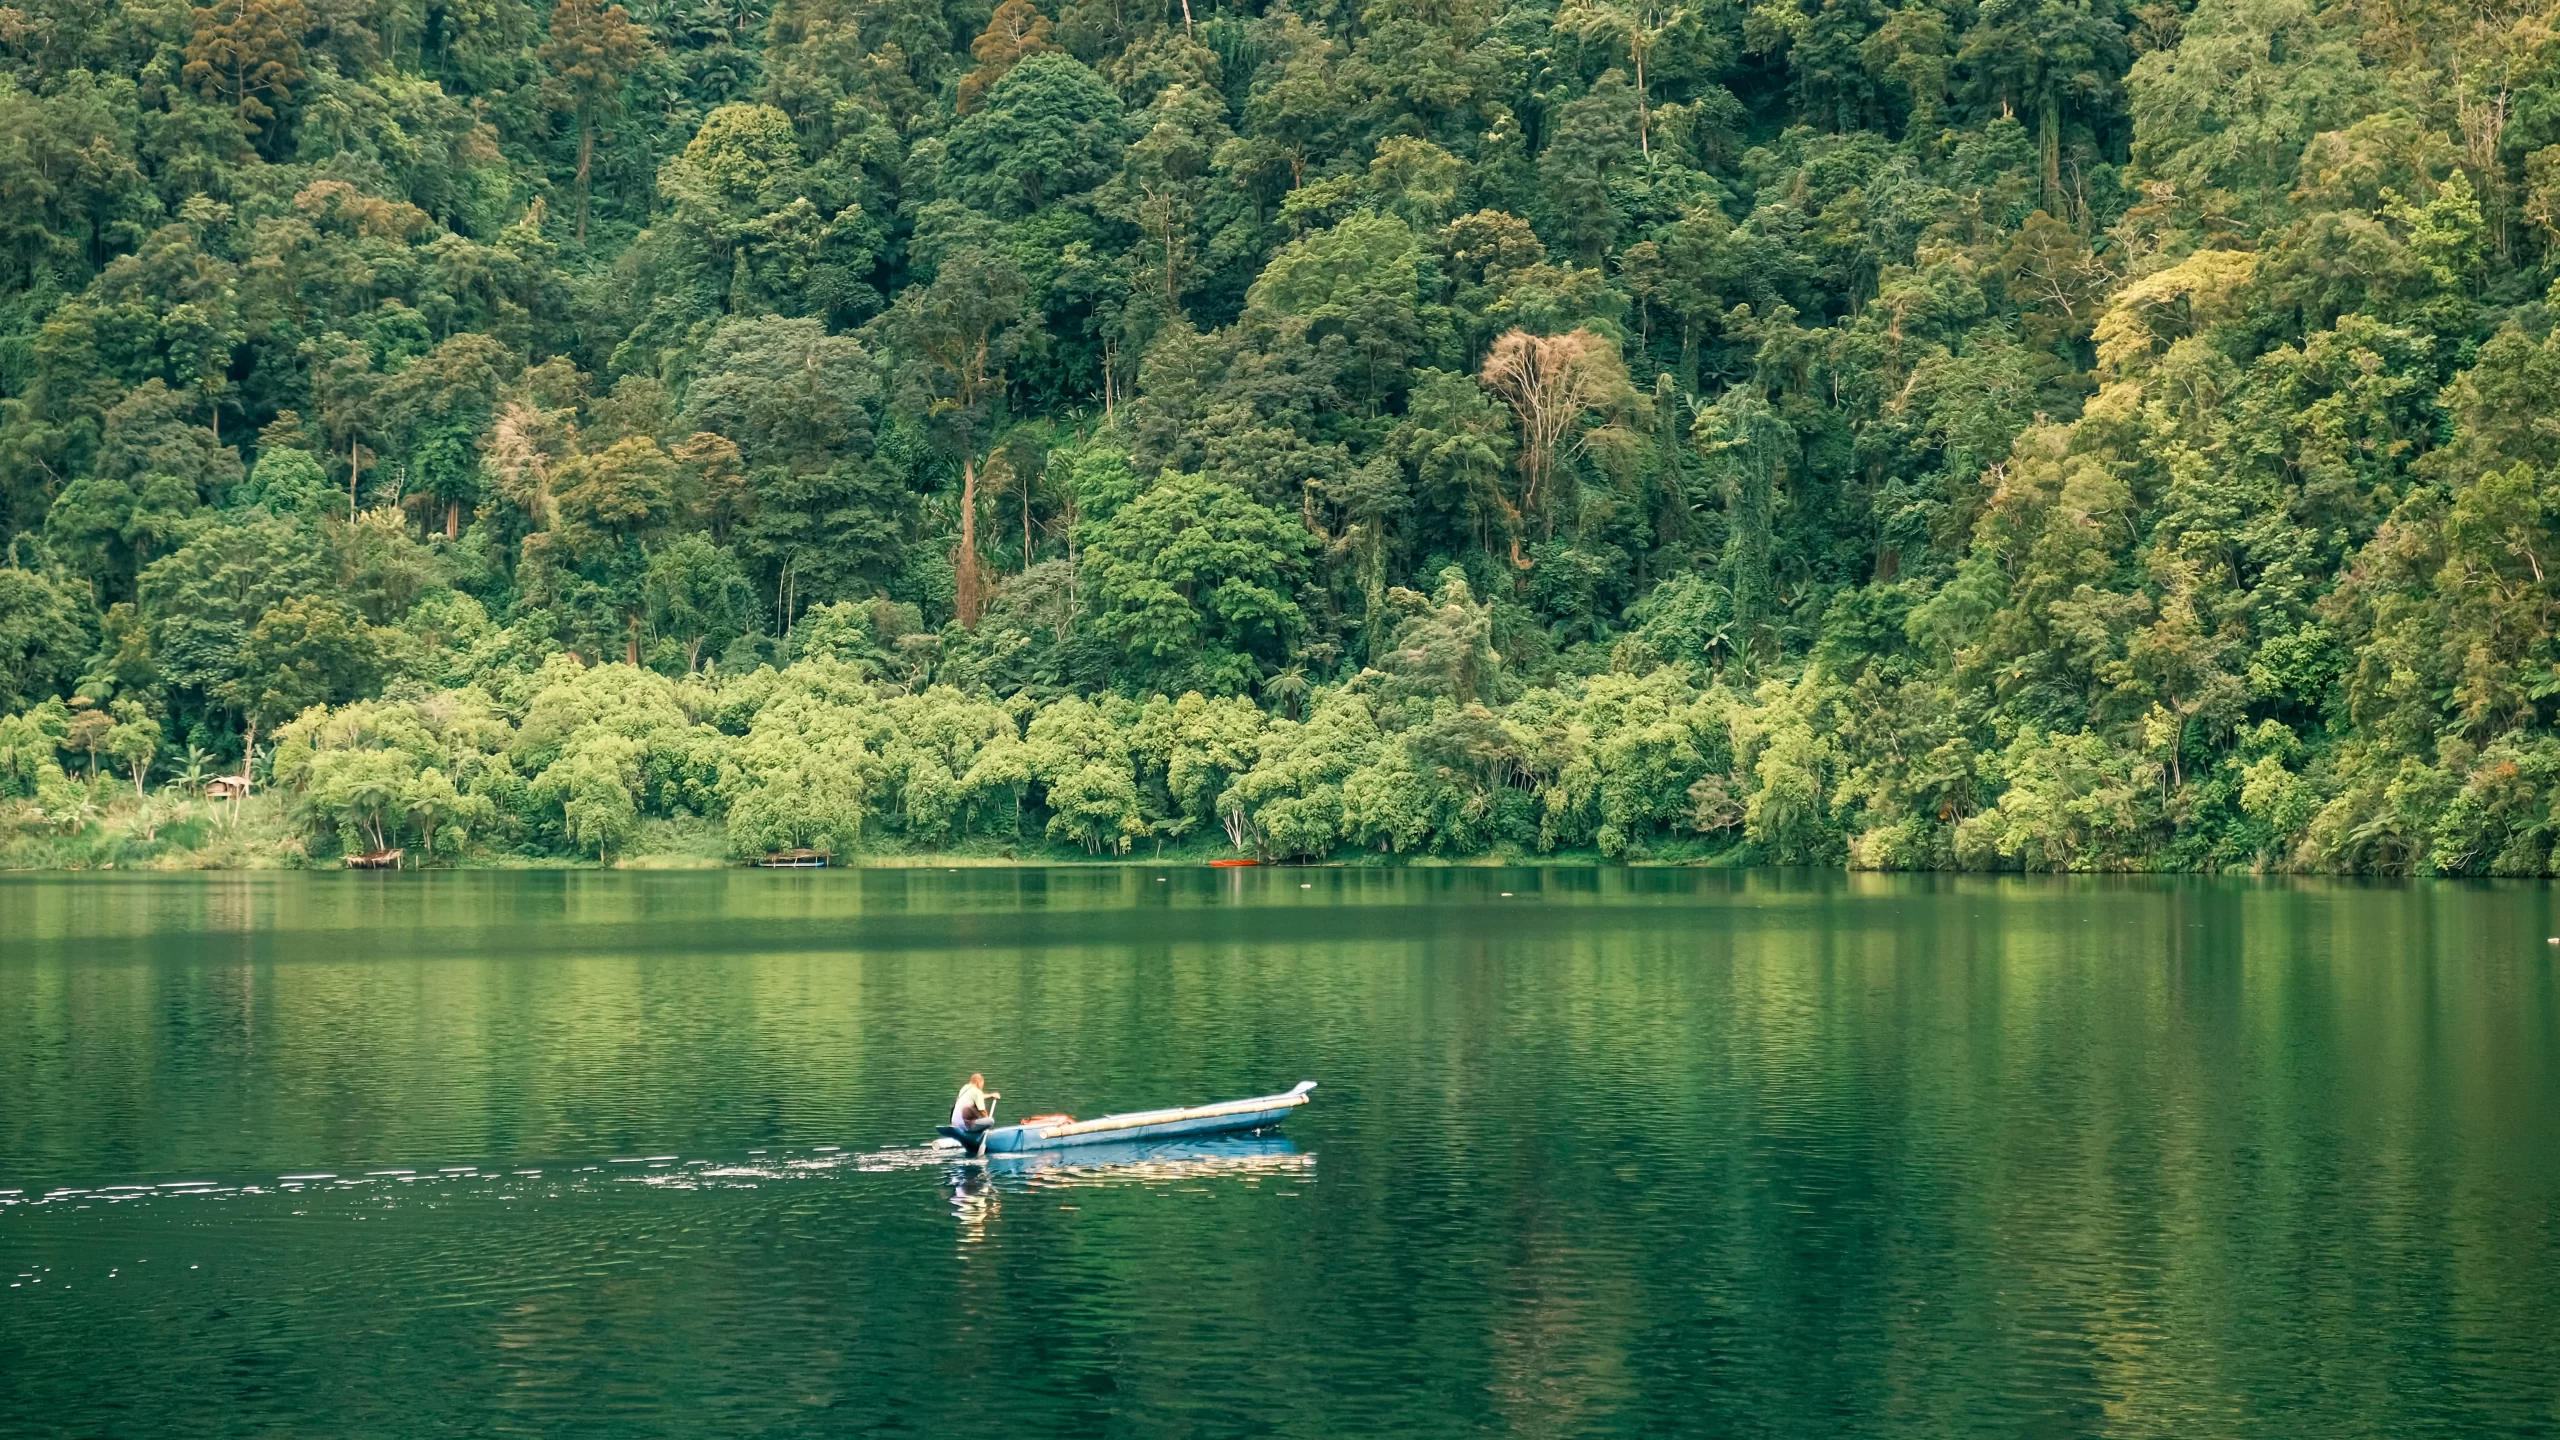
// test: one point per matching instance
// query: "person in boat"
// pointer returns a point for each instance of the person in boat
(973, 1113)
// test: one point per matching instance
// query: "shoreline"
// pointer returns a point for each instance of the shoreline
(681, 862)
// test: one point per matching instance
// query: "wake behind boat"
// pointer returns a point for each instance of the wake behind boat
(1058, 1132)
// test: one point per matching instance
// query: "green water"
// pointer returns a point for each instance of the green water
(1617, 1153)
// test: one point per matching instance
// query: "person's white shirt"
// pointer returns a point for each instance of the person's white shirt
(971, 1098)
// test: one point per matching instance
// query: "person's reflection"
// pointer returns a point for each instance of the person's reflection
(973, 1201)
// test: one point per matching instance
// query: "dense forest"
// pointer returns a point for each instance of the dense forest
(2045, 434)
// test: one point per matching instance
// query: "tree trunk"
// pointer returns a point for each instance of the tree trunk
(452, 519)
(586, 166)
(631, 642)
(2051, 143)
(1644, 114)
(965, 563)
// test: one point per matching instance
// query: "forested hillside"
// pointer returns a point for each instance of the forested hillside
(1983, 433)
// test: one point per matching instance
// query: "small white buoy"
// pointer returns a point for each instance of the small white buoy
(1306, 887)
(1506, 894)
(2554, 940)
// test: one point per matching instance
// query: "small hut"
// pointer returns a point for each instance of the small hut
(226, 787)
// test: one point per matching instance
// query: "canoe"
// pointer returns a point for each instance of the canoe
(1231, 864)
(1227, 1118)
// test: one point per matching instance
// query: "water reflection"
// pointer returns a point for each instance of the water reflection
(973, 1200)
(1708, 1154)
(976, 1186)
(1145, 1162)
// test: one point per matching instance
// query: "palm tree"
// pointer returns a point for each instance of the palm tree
(1289, 686)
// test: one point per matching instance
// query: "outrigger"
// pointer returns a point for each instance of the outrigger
(1058, 1132)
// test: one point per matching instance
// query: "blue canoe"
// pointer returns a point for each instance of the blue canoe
(1258, 1113)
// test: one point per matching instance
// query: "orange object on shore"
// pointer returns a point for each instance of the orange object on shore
(1231, 864)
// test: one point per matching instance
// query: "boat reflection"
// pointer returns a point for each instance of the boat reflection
(976, 1185)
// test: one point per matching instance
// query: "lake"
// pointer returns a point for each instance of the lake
(1626, 1152)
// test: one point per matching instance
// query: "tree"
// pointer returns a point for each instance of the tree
(362, 792)
(1591, 134)
(155, 469)
(1638, 26)
(1359, 281)
(1016, 30)
(440, 406)
(1049, 128)
(1750, 445)
(2045, 57)
(740, 190)
(45, 632)
(247, 55)
(959, 332)
(28, 741)
(1300, 103)
(201, 604)
(86, 732)
(1444, 647)
(1195, 580)
(591, 54)
(444, 812)
(797, 780)
(594, 786)
(817, 515)
(607, 501)
(134, 740)
(2231, 106)
(697, 595)
(1552, 384)
(287, 482)
(301, 653)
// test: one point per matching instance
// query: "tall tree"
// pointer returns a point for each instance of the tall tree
(1016, 30)
(957, 335)
(591, 53)
(247, 55)
(1049, 128)
(1640, 27)
(1553, 384)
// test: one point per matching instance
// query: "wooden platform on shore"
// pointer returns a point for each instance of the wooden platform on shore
(376, 860)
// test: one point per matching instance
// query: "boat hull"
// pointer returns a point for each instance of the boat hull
(1233, 1117)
